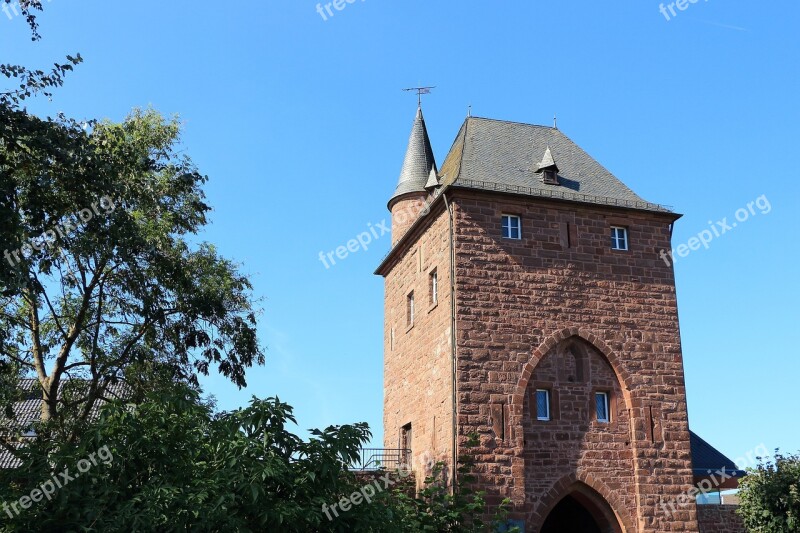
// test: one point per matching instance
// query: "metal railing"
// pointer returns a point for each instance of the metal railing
(383, 459)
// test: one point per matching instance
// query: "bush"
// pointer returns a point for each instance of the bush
(172, 464)
(770, 495)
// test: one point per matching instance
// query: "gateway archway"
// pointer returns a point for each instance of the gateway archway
(579, 512)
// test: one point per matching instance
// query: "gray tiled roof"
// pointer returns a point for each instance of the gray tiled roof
(29, 410)
(504, 156)
(419, 160)
(7, 460)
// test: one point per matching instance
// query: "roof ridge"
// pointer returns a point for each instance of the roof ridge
(513, 122)
(460, 138)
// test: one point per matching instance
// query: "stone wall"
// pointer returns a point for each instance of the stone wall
(418, 357)
(521, 301)
(719, 519)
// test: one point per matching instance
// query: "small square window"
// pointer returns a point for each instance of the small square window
(601, 403)
(434, 287)
(410, 309)
(512, 227)
(619, 238)
(542, 404)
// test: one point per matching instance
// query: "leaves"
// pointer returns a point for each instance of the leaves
(770, 495)
(179, 466)
(122, 286)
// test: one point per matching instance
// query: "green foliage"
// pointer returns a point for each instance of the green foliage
(770, 495)
(30, 82)
(27, 10)
(126, 287)
(438, 509)
(174, 465)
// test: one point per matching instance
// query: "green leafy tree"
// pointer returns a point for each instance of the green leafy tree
(179, 467)
(100, 272)
(98, 278)
(770, 495)
(171, 464)
(440, 509)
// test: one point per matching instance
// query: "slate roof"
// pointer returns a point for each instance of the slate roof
(505, 156)
(706, 458)
(419, 160)
(29, 411)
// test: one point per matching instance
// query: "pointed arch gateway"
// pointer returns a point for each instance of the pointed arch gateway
(573, 359)
(579, 508)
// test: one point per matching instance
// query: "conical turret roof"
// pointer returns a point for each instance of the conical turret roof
(419, 160)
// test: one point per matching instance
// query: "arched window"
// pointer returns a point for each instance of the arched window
(574, 364)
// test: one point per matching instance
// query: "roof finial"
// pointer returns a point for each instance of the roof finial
(469, 111)
(420, 92)
(555, 121)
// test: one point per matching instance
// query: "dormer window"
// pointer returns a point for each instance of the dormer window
(550, 177)
(548, 168)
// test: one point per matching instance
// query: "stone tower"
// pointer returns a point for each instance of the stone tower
(526, 302)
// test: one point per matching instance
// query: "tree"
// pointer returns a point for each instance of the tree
(30, 81)
(98, 275)
(437, 508)
(171, 463)
(770, 495)
(99, 272)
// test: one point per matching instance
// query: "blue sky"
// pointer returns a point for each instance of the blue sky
(301, 125)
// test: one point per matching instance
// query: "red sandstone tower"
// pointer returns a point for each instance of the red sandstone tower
(526, 301)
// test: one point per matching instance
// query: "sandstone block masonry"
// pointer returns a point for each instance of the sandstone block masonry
(719, 519)
(557, 310)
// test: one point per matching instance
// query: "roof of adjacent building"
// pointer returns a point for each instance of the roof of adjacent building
(707, 459)
(505, 156)
(419, 160)
(29, 411)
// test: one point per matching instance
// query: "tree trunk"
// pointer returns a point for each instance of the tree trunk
(49, 399)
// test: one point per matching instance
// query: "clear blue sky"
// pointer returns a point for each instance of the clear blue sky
(302, 126)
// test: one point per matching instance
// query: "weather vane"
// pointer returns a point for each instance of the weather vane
(420, 92)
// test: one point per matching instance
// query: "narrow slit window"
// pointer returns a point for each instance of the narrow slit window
(405, 446)
(410, 309)
(434, 287)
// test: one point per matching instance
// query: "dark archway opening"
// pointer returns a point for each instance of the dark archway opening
(569, 516)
